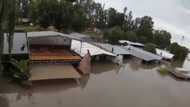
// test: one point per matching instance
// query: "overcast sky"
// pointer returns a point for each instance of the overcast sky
(171, 15)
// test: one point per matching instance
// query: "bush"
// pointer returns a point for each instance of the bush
(180, 52)
(17, 71)
(162, 38)
(150, 47)
(163, 71)
(114, 34)
(131, 36)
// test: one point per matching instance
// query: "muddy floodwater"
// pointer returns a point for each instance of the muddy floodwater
(131, 85)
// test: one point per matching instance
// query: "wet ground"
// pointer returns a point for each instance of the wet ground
(131, 85)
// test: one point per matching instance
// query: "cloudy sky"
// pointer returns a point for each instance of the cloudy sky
(171, 15)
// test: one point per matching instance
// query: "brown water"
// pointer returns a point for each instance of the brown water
(132, 85)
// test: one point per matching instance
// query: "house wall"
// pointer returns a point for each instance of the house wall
(118, 59)
(50, 41)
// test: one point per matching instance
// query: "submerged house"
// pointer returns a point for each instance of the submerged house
(122, 51)
(44, 48)
(164, 54)
(119, 51)
(51, 57)
(142, 54)
(96, 52)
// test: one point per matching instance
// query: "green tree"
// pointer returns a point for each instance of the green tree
(115, 18)
(33, 10)
(162, 38)
(150, 47)
(11, 17)
(180, 52)
(3, 11)
(63, 14)
(7, 23)
(114, 34)
(145, 28)
(79, 19)
(96, 15)
(128, 23)
(131, 36)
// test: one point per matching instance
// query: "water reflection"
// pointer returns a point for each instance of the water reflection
(103, 66)
(132, 84)
(53, 86)
(136, 64)
(84, 81)
(8, 87)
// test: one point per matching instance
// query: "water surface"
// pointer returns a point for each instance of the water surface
(133, 85)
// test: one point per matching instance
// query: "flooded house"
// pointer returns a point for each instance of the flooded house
(135, 44)
(122, 51)
(97, 53)
(51, 57)
(115, 49)
(144, 55)
(164, 54)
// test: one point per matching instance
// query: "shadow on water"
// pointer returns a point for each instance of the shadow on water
(4, 101)
(49, 86)
(103, 66)
(9, 87)
(136, 64)
(84, 81)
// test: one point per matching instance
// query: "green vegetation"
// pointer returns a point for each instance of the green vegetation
(164, 71)
(180, 52)
(23, 28)
(10, 67)
(150, 47)
(17, 71)
(162, 38)
(7, 24)
(62, 14)
(139, 30)
(114, 34)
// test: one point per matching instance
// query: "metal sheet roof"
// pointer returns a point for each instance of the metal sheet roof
(130, 50)
(50, 33)
(131, 43)
(83, 47)
(81, 36)
(19, 44)
(114, 49)
(142, 54)
(164, 54)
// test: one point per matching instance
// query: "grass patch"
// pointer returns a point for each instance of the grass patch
(164, 71)
(92, 34)
(27, 28)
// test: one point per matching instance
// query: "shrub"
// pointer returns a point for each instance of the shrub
(163, 71)
(150, 47)
(17, 71)
(180, 52)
